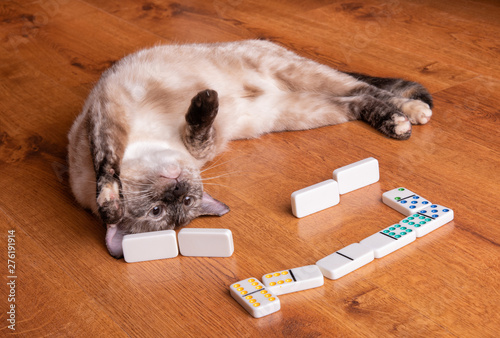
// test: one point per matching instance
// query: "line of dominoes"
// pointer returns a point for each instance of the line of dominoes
(261, 298)
(326, 194)
(422, 218)
(163, 244)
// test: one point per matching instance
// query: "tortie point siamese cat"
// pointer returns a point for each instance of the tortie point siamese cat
(157, 116)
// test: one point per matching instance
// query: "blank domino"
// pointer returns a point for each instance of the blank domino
(148, 246)
(315, 198)
(428, 219)
(253, 296)
(293, 280)
(206, 242)
(389, 240)
(404, 201)
(357, 175)
(346, 260)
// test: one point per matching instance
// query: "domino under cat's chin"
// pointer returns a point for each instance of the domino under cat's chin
(157, 116)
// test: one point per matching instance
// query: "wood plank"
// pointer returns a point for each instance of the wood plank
(79, 248)
(47, 301)
(443, 34)
(445, 284)
(58, 39)
(180, 22)
(255, 19)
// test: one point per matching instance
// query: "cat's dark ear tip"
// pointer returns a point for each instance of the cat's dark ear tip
(225, 210)
(211, 206)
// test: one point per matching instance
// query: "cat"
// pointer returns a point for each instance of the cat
(158, 115)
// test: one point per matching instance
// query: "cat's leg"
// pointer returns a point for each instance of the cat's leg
(108, 132)
(311, 110)
(297, 74)
(199, 134)
(399, 87)
(409, 97)
(381, 115)
(414, 99)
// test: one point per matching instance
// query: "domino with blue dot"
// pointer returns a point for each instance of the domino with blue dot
(390, 239)
(345, 260)
(252, 295)
(428, 219)
(293, 280)
(404, 201)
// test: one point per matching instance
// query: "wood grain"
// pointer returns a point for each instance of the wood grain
(444, 284)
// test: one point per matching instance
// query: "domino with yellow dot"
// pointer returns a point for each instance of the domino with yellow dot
(293, 280)
(254, 297)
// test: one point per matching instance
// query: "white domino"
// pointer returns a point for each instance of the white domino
(404, 201)
(428, 219)
(346, 260)
(315, 198)
(206, 242)
(389, 239)
(293, 280)
(148, 246)
(253, 296)
(357, 175)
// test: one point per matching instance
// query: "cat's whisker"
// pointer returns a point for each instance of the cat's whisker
(136, 197)
(203, 179)
(133, 200)
(213, 165)
(217, 164)
(220, 185)
(128, 186)
(131, 182)
(132, 188)
(138, 193)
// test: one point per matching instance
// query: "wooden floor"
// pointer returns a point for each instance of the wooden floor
(444, 284)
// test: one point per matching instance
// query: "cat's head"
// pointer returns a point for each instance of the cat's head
(160, 195)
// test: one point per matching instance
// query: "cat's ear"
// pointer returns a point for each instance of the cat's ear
(210, 206)
(114, 237)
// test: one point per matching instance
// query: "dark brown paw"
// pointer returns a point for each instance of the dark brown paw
(203, 109)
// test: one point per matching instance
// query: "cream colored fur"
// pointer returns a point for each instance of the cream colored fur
(258, 93)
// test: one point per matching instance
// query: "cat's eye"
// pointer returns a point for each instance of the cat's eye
(156, 211)
(188, 201)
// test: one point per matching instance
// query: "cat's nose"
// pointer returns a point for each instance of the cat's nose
(180, 189)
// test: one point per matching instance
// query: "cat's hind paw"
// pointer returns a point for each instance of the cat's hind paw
(418, 112)
(109, 203)
(398, 127)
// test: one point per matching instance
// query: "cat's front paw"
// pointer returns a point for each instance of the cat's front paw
(109, 203)
(418, 112)
(203, 109)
